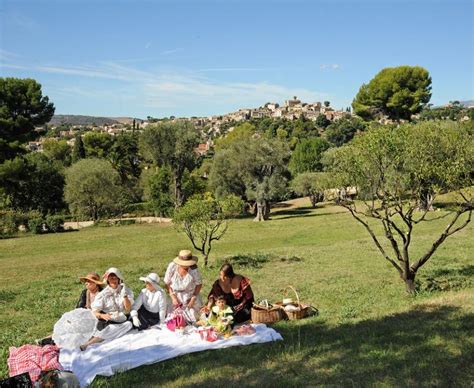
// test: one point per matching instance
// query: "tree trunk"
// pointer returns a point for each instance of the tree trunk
(263, 211)
(178, 195)
(409, 280)
(426, 200)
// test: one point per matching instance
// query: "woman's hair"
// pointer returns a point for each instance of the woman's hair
(227, 270)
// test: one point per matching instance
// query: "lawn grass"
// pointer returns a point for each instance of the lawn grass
(368, 332)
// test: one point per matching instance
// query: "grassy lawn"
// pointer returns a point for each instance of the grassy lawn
(368, 332)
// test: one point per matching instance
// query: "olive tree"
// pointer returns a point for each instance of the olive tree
(204, 219)
(391, 167)
(312, 185)
(92, 188)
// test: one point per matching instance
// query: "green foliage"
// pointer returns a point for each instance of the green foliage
(395, 92)
(97, 144)
(57, 150)
(22, 108)
(54, 223)
(171, 144)
(204, 220)
(36, 225)
(31, 182)
(255, 169)
(92, 188)
(78, 151)
(157, 183)
(307, 155)
(342, 131)
(322, 121)
(241, 132)
(393, 168)
(312, 184)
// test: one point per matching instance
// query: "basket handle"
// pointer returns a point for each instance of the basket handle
(297, 296)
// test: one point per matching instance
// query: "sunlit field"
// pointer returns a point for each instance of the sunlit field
(368, 331)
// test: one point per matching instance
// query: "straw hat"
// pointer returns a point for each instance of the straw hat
(113, 270)
(92, 277)
(185, 258)
(152, 278)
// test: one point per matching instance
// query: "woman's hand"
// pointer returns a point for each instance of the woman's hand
(106, 317)
(205, 309)
(191, 302)
(174, 300)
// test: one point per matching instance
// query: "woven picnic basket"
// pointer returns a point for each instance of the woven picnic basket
(302, 309)
(262, 314)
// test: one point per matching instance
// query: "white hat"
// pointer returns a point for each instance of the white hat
(114, 271)
(152, 278)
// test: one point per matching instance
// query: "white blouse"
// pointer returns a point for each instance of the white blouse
(152, 301)
(110, 301)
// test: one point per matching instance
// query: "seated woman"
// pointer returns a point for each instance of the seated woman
(236, 290)
(183, 281)
(111, 306)
(150, 307)
(93, 286)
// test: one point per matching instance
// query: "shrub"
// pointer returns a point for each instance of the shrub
(36, 225)
(55, 223)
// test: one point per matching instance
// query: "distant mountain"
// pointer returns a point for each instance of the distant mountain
(467, 103)
(90, 120)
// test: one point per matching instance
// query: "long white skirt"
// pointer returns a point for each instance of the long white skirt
(112, 331)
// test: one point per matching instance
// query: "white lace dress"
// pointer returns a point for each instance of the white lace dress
(109, 301)
(184, 287)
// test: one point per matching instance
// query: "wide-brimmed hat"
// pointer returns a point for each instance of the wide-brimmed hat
(113, 270)
(185, 258)
(152, 278)
(93, 278)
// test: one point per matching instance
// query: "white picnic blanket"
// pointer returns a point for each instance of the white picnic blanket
(147, 347)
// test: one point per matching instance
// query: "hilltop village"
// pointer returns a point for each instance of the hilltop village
(68, 127)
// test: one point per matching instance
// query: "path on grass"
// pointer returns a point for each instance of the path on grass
(138, 220)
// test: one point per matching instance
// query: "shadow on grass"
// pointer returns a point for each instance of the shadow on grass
(443, 279)
(423, 347)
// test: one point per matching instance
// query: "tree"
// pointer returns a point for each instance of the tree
(22, 108)
(172, 144)
(326, 104)
(78, 151)
(312, 185)
(31, 183)
(322, 121)
(205, 219)
(97, 144)
(255, 170)
(391, 168)
(395, 92)
(307, 155)
(57, 150)
(157, 184)
(342, 131)
(243, 131)
(92, 188)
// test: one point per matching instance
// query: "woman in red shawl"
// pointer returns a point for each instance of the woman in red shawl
(236, 290)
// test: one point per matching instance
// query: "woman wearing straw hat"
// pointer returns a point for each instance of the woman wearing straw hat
(93, 286)
(111, 306)
(149, 308)
(184, 283)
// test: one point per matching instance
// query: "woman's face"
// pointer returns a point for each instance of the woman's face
(150, 287)
(223, 277)
(91, 286)
(182, 269)
(113, 280)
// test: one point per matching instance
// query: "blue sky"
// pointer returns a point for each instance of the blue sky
(199, 58)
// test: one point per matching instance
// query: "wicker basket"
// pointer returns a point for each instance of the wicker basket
(303, 310)
(262, 314)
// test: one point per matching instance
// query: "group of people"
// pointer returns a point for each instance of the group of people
(228, 303)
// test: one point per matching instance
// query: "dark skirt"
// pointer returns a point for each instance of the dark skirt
(244, 314)
(147, 318)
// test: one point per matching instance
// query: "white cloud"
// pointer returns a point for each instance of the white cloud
(333, 66)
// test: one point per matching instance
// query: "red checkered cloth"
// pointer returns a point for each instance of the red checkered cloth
(33, 359)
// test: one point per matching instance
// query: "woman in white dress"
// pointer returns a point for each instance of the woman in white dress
(183, 281)
(111, 307)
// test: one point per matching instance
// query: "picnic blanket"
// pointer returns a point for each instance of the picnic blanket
(32, 359)
(148, 347)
